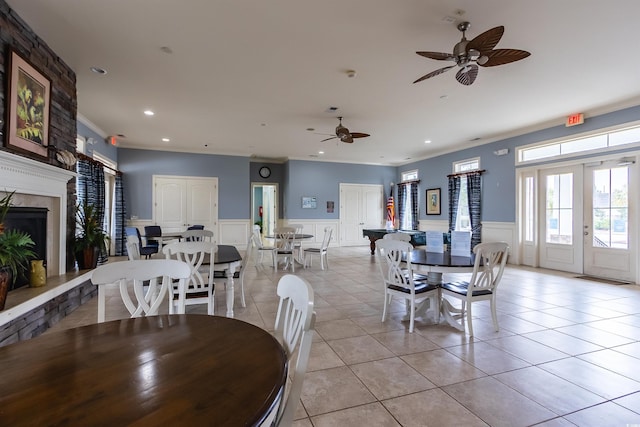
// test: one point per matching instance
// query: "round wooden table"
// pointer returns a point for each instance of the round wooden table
(157, 370)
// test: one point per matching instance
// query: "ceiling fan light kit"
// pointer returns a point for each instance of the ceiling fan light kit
(469, 54)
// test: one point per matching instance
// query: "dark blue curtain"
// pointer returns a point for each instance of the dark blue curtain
(474, 192)
(90, 188)
(454, 196)
(120, 214)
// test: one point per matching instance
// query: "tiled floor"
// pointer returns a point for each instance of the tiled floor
(568, 351)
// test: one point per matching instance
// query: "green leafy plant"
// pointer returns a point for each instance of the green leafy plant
(15, 246)
(89, 231)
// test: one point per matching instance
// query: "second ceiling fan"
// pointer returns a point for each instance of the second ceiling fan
(468, 54)
(343, 134)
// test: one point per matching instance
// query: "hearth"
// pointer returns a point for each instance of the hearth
(32, 221)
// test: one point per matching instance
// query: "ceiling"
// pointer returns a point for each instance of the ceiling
(250, 77)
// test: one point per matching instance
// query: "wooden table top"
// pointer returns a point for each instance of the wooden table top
(158, 370)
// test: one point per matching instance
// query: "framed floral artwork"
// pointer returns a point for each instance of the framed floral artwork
(433, 201)
(28, 107)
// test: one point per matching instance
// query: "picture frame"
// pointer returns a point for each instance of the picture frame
(28, 107)
(309, 203)
(433, 201)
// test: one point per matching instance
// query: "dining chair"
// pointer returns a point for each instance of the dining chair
(284, 242)
(491, 257)
(297, 244)
(151, 231)
(133, 249)
(403, 237)
(261, 247)
(398, 279)
(199, 287)
(144, 250)
(149, 280)
(239, 273)
(322, 251)
(197, 235)
(294, 326)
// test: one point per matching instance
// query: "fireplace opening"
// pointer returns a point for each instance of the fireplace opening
(32, 221)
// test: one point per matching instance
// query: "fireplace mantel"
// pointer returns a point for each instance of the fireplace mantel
(32, 178)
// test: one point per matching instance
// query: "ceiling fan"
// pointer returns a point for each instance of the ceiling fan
(468, 54)
(343, 134)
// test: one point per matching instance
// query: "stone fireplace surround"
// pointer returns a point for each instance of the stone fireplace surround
(30, 311)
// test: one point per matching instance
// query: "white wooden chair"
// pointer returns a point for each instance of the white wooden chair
(238, 274)
(321, 251)
(284, 242)
(199, 287)
(262, 248)
(197, 235)
(489, 265)
(133, 248)
(398, 280)
(294, 325)
(128, 275)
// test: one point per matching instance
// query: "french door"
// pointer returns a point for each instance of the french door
(581, 218)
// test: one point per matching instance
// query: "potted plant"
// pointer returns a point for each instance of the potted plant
(91, 239)
(15, 251)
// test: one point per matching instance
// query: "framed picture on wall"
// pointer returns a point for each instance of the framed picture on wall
(433, 201)
(308, 203)
(28, 115)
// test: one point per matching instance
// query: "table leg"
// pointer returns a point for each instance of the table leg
(452, 314)
(230, 290)
(101, 303)
(372, 245)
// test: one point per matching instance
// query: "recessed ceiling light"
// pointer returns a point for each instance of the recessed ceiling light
(148, 113)
(165, 140)
(428, 141)
(98, 70)
(320, 152)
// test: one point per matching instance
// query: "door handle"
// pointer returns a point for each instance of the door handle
(586, 233)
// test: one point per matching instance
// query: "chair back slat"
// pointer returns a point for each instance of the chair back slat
(491, 257)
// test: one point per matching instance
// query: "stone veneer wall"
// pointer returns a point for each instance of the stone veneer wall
(41, 318)
(17, 35)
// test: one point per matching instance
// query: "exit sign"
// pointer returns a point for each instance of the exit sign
(575, 119)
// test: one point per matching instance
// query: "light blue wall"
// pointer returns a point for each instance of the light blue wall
(322, 181)
(138, 166)
(298, 178)
(499, 180)
(101, 146)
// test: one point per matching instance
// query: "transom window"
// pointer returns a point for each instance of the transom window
(582, 144)
(410, 175)
(466, 165)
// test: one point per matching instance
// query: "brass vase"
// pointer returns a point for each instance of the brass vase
(38, 274)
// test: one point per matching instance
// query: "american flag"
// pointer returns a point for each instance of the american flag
(391, 212)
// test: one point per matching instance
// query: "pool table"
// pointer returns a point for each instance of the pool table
(418, 238)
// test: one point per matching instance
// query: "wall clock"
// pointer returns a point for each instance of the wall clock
(265, 172)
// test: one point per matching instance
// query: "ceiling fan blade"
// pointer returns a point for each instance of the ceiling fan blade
(503, 56)
(333, 137)
(347, 138)
(440, 56)
(434, 73)
(468, 74)
(487, 40)
(359, 135)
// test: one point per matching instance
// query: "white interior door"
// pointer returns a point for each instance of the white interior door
(560, 213)
(361, 206)
(609, 228)
(170, 203)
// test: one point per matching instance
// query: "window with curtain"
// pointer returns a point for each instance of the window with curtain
(408, 205)
(465, 191)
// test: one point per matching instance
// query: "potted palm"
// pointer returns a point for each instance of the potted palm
(15, 251)
(90, 239)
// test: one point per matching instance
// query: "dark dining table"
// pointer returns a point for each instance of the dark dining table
(157, 370)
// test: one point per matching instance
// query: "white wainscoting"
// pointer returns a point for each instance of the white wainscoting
(235, 232)
(316, 228)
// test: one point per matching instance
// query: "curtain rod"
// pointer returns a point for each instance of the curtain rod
(97, 162)
(479, 172)
(416, 181)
